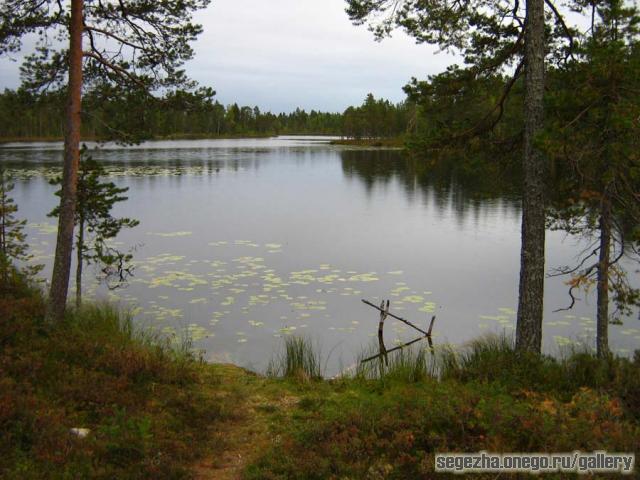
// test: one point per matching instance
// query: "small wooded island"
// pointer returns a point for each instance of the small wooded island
(192, 288)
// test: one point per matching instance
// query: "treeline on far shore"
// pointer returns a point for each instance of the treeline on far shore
(187, 114)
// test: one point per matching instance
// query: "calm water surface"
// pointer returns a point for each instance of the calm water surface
(242, 242)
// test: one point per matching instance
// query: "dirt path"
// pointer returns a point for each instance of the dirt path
(247, 432)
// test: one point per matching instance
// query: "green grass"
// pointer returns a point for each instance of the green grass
(388, 421)
(492, 359)
(299, 359)
(409, 365)
(359, 430)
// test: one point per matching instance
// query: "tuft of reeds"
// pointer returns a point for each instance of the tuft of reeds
(410, 365)
(299, 359)
(105, 321)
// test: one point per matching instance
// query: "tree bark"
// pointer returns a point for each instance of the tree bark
(602, 327)
(4, 254)
(383, 350)
(79, 251)
(531, 293)
(64, 243)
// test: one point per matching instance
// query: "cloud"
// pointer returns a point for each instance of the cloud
(283, 54)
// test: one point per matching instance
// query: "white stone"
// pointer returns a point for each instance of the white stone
(80, 432)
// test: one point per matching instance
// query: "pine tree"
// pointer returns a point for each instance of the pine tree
(96, 227)
(492, 36)
(123, 45)
(595, 137)
(13, 246)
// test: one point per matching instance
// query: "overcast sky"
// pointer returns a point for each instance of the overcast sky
(281, 54)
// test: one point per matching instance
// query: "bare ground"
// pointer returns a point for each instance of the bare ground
(247, 431)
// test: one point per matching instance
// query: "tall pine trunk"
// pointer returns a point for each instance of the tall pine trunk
(4, 254)
(79, 251)
(64, 243)
(531, 294)
(602, 327)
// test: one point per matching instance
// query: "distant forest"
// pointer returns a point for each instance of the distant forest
(188, 114)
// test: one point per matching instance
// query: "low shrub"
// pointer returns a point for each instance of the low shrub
(144, 403)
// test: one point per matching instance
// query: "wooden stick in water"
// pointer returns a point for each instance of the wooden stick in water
(394, 349)
(384, 310)
(428, 334)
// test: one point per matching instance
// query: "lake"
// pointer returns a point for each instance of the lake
(242, 242)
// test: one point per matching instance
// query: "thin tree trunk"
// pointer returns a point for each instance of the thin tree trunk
(64, 243)
(605, 221)
(4, 261)
(79, 250)
(602, 340)
(531, 294)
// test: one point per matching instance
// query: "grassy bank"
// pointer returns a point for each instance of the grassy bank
(153, 410)
(149, 407)
(202, 136)
(389, 424)
(177, 136)
(393, 142)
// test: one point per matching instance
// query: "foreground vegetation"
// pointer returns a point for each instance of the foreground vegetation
(148, 406)
(484, 397)
(154, 410)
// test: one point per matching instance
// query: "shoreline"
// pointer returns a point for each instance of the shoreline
(107, 399)
(391, 142)
(5, 140)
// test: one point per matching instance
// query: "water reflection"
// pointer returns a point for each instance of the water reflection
(243, 242)
(444, 187)
(444, 181)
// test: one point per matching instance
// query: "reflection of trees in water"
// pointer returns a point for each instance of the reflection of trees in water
(117, 165)
(26, 164)
(446, 184)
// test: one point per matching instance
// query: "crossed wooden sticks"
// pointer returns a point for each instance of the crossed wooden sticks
(384, 313)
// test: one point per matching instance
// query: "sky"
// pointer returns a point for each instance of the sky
(283, 54)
